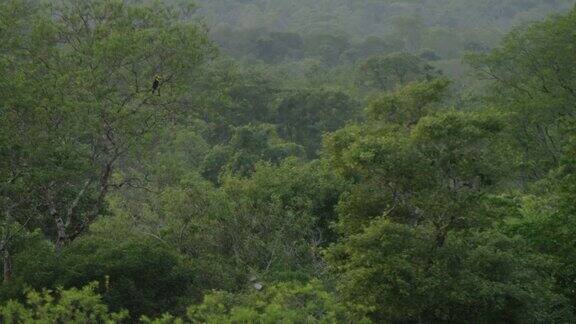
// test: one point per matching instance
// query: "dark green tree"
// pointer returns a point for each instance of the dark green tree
(394, 70)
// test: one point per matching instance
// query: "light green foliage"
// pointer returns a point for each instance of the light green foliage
(397, 272)
(282, 303)
(459, 143)
(417, 233)
(431, 171)
(61, 306)
(289, 302)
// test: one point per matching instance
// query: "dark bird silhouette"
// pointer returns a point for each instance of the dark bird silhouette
(156, 84)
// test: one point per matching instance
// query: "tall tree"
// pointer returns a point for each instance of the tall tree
(533, 80)
(95, 62)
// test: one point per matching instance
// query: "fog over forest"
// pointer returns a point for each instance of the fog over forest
(287, 161)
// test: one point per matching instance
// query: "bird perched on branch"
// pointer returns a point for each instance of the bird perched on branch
(156, 84)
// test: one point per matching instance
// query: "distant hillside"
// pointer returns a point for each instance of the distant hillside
(365, 17)
(445, 27)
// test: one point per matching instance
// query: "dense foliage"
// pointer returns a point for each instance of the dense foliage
(266, 161)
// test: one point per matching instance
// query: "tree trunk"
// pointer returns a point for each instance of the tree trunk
(7, 263)
(62, 237)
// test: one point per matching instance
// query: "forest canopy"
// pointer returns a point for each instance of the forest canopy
(275, 161)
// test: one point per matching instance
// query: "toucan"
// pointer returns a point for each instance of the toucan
(156, 84)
